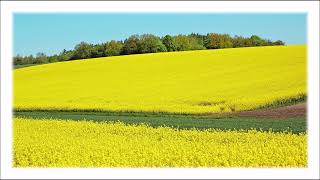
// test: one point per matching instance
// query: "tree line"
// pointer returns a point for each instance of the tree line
(148, 43)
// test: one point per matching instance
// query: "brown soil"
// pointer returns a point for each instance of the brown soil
(298, 110)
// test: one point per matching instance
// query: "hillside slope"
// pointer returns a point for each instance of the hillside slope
(181, 82)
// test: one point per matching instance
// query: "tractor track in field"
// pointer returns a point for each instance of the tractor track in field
(297, 110)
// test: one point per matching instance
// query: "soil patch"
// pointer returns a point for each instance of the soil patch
(297, 110)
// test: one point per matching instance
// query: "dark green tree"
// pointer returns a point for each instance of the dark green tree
(41, 58)
(131, 45)
(218, 41)
(149, 43)
(238, 41)
(168, 41)
(82, 51)
(185, 43)
(65, 55)
(18, 60)
(97, 51)
(257, 41)
(278, 43)
(29, 59)
(53, 58)
(113, 48)
(200, 38)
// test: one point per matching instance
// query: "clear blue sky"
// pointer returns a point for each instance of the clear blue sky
(51, 33)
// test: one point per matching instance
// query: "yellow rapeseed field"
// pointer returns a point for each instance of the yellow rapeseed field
(63, 143)
(180, 82)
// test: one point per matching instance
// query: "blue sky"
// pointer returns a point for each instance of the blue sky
(51, 33)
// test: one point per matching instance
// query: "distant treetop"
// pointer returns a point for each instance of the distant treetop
(148, 43)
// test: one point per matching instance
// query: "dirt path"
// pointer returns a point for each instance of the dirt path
(298, 110)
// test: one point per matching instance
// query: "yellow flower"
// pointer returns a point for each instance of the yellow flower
(181, 82)
(63, 143)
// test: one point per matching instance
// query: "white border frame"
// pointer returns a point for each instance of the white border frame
(8, 8)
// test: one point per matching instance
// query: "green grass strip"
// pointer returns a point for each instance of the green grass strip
(296, 125)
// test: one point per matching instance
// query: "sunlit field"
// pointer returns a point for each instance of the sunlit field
(206, 81)
(64, 143)
(163, 110)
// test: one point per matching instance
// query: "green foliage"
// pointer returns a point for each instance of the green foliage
(278, 43)
(185, 43)
(296, 125)
(18, 60)
(41, 58)
(148, 43)
(54, 58)
(113, 48)
(82, 51)
(238, 41)
(168, 41)
(200, 38)
(65, 55)
(131, 45)
(257, 41)
(218, 41)
(97, 51)
(254, 40)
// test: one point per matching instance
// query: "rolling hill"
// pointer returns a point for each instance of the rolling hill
(203, 81)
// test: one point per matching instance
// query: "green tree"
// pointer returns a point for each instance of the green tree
(131, 45)
(248, 42)
(113, 48)
(238, 41)
(97, 51)
(18, 60)
(185, 43)
(149, 43)
(278, 43)
(257, 41)
(200, 38)
(82, 51)
(65, 55)
(41, 58)
(29, 59)
(212, 41)
(168, 41)
(218, 41)
(53, 58)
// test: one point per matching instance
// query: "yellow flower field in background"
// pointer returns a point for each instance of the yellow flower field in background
(181, 82)
(62, 143)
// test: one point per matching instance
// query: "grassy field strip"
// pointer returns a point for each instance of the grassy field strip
(205, 81)
(60, 143)
(296, 125)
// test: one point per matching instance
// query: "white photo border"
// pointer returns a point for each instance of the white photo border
(311, 8)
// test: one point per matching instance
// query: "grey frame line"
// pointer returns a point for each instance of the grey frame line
(133, 0)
